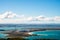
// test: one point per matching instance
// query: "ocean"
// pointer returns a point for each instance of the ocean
(45, 34)
(48, 34)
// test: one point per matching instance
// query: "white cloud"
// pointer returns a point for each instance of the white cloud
(43, 18)
(57, 18)
(10, 17)
(30, 18)
(8, 14)
(40, 18)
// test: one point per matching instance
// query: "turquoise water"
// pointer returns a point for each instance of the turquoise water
(3, 35)
(49, 34)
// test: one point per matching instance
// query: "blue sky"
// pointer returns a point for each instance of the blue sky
(48, 8)
(30, 11)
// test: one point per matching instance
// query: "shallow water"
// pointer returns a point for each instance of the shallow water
(3, 35)
(50, 34)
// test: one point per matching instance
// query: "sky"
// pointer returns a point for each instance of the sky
(30, 10)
